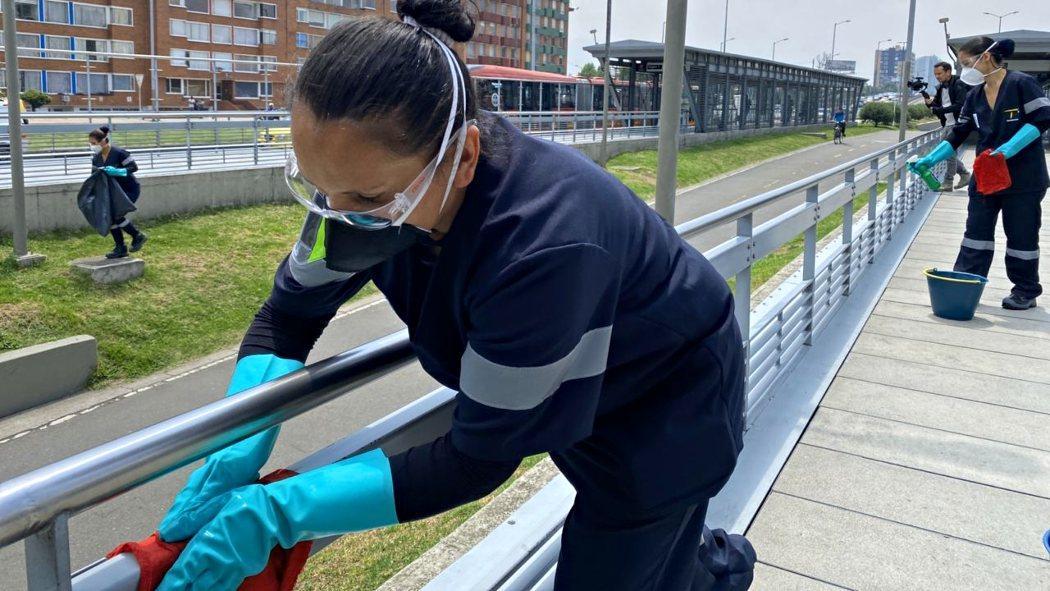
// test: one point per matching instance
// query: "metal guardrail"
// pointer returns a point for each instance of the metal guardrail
(36, 506)
(167, 143)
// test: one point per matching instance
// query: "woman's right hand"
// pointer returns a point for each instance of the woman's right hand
(234, 466)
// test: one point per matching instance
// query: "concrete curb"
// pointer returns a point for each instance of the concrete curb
(42, 373)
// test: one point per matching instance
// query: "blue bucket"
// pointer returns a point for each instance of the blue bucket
(954, 295)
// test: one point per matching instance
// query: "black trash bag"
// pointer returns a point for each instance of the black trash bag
(103, 202)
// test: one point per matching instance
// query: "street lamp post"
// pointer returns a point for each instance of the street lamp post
(947, 38)
(725, 28)
(834, 33)
(774, 55)
(595, 33)
(726, 43)
(1001, 17)
(606, 87)
(906, 72)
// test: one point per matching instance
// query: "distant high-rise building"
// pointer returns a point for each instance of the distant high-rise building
(889, 63)
(499, 35)
(924, 67)
(549, 41)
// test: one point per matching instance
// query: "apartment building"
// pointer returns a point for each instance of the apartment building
(547, 30)
(225, 54)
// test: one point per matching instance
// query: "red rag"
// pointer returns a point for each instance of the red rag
(156, 557)
(991, 172)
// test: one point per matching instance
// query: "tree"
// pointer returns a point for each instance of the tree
(589, 70)
(34, 98)
(918, 111)
(878, 113)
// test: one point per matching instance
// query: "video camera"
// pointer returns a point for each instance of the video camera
(919, 85)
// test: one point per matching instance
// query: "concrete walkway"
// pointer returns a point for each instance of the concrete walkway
(927, 465)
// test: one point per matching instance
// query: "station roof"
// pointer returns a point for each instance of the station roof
(1031, 55)
(651, 51)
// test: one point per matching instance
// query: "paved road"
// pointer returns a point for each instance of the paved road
(135, 514)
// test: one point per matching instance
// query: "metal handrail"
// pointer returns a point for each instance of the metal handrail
(38, 504)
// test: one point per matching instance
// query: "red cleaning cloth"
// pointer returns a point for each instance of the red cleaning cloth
(156, 557)
(991, 172)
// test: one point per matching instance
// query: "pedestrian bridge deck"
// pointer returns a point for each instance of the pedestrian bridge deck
(927, 465)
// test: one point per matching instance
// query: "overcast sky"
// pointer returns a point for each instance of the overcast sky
(808, 23)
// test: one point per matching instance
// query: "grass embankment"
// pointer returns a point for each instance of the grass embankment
(206, 276)
(637, 170)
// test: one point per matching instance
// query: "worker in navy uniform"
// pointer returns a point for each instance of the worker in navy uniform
(119, 164)
(568, 316)
(1009, 111)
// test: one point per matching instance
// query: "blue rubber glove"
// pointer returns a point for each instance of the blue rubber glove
(238, 530)
(234, 466)
(939, 154)
(1024, 136)
(114, 171)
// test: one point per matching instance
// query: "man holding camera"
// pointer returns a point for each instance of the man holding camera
(946, 104)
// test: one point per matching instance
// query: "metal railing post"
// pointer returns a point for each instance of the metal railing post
(809, 263)
(847, 228)
(47, 557)
(189, 144)
(742, 290)
(873, 209)
(255, 140)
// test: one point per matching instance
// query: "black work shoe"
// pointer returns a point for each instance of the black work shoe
(946, 188)
(138, 241)
(1018, 302)
(118, 252)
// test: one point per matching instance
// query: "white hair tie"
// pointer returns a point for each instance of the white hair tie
(437, 34)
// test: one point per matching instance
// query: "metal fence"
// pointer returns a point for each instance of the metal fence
(36, 507)
(166, 143)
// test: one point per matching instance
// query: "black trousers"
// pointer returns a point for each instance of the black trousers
(670, 550)
(1021, 221)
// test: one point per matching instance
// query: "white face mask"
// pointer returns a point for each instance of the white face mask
(971, 75)
(95, 148)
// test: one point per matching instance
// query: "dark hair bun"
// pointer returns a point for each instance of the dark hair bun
(104, 129)
(448, 16)
(1004, 48)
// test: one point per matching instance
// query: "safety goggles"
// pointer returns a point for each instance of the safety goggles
(971, 62)
(390, 213)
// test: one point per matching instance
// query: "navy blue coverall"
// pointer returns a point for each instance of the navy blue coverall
(571, 319)
(1020, 101)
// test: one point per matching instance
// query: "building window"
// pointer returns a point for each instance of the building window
(95, 45)
(120, 16)
(57, 42)
(246, 90)
(179, 53)
(99, 83)
(267, 11)
(199, 64)
(195, 88)
(200, 6)
(29, 11)
(123, 83)
(89, 15)
(246, 63)
(302, 40)
(56, 12)
(268, 37)
(174, 86)
(268, 63)
(197, 31)
(30, 80)
(247, 37)
(224, 61)
(59, 82)
(122, 47)
(177, 27)
(29, 41)
(222, 34)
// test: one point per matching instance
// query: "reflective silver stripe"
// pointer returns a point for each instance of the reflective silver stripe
(1025, 255)
(978, 244)
(1036, 104)
(127, 161)
(949, 119)
(522, 388)
(311, 274)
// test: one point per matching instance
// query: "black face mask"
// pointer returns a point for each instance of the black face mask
(351, 250)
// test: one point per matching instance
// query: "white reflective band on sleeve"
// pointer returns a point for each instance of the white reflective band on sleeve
(127, 161)
(522, 388)
(1036, 104)
(949, 119)
(978, 244)
(1025, 255)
